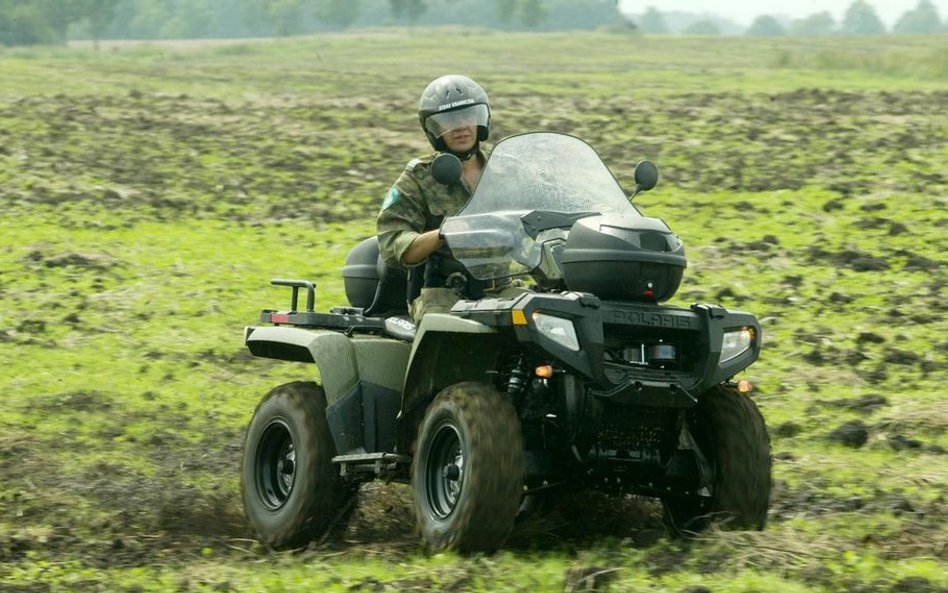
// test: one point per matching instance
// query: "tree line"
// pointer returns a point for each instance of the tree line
(860, 18)
(25, 22)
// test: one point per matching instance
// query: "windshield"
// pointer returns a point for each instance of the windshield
(542, 172)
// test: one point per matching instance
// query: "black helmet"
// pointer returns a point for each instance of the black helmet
(449, 102)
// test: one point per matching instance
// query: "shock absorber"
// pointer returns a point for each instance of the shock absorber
(517, 381)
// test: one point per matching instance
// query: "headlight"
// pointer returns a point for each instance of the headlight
(557, 329)
(736, 343)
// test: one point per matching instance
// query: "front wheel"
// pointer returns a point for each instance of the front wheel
(289, 485)
(467, 473)
(731, 434)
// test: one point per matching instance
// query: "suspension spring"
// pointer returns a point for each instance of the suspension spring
(517, 381)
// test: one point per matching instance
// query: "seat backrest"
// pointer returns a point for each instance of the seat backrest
(391, 295)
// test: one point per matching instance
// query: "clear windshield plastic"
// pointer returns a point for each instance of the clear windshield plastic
(541, 172)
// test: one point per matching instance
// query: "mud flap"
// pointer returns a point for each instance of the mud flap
(363, 420)
(689, 462)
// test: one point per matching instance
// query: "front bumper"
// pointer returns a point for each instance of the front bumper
(696, 333)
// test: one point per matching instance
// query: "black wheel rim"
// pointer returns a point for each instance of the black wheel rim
(275, 464)
(444, 471)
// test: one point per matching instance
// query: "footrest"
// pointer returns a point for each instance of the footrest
(376, 463)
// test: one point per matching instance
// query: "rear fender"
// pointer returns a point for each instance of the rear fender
(332, 352)
(361, 375)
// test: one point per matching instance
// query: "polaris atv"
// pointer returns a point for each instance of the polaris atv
(583, 381)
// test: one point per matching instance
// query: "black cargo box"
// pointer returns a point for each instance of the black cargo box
(624, 258)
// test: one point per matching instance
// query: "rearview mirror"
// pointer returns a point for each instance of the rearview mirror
(446, 169)
(646, 176)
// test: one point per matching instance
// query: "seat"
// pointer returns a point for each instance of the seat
(391, 294)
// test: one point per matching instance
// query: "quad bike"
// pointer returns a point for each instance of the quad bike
(583, 381)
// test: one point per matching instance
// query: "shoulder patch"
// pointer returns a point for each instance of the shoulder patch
(391, 198)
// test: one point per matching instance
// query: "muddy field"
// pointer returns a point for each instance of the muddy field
(328, 159)
(141, 228)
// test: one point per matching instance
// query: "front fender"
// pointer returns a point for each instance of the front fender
(447, 350)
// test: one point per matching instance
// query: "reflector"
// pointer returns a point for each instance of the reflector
(544, 371)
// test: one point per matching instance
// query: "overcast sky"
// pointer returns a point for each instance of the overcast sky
(744, 11)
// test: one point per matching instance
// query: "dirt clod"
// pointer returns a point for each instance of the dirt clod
(869, 338)
(867, 404)
(852, 434)
(787, 430)
(900, 443)
(913, 585)
(896, 356)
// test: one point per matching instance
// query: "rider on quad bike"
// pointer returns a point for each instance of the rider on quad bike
(587, 381)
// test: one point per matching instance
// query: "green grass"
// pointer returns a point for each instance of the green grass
(151, 192)
(597, 64)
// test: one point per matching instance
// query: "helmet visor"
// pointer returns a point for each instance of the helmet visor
(440, 124)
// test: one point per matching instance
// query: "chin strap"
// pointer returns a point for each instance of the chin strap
(464, 156)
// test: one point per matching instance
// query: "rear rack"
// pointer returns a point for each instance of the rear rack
(297, 285)
(341, 318)
(348, 320)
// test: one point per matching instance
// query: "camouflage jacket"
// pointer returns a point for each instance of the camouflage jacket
(415, 204)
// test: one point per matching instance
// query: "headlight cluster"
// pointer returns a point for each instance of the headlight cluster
(737, 342)
(557, 329)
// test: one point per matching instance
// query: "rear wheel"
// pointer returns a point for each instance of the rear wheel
(290, 488)
(731, 434)
(467, 473)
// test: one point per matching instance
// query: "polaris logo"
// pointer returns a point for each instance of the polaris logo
(650, 319)
(402, 323)
(456, 104)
